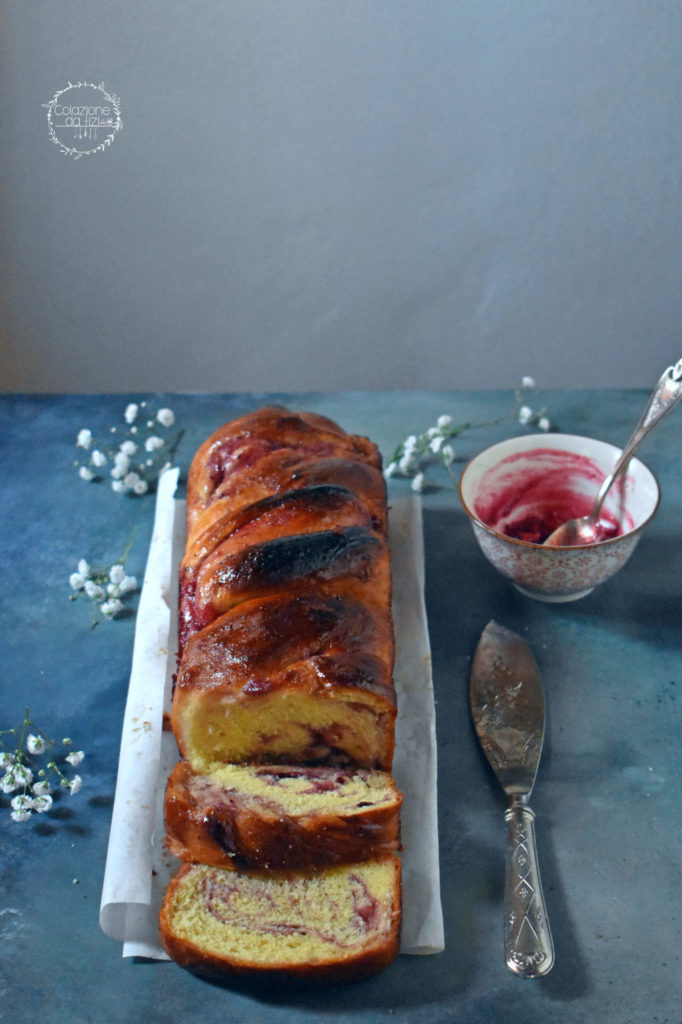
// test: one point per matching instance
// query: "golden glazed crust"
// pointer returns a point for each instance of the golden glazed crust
(302, 677)
(318, 534)
(273, 450)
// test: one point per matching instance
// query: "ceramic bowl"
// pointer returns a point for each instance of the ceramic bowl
(534, 481)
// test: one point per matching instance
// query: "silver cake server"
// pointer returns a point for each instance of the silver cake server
(508, 709)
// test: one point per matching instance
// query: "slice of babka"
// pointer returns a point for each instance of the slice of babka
(338, 924)
(280, 816)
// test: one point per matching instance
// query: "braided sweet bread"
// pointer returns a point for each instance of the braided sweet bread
(283, 706)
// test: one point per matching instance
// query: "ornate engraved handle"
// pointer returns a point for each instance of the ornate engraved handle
(528, 947)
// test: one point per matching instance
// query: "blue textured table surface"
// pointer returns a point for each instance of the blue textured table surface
(608, 792)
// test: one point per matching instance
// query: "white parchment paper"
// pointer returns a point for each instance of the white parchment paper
(414, 767)
(138, 867)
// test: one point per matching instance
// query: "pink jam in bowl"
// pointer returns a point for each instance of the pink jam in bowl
(529, 494)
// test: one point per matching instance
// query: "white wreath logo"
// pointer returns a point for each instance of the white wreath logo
(83, 120)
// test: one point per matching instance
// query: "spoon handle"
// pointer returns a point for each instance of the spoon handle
(664, 397)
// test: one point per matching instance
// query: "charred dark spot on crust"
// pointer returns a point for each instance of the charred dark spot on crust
(285, 560)
(220, 827)
(358, 476)
(327, 497)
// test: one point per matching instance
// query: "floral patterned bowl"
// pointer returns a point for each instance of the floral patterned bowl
(516, 492)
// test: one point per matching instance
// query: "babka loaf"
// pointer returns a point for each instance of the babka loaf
(280, 817)
(338, 924)
(283, 807)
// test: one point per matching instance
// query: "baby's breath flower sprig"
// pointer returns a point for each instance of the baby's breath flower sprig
(420, 452)
(29, 779)
(106, 586)
(528, 416)
(141, 450)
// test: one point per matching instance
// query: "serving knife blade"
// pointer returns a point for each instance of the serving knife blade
(508, 710)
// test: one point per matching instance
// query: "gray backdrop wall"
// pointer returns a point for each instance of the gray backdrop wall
(338, 194)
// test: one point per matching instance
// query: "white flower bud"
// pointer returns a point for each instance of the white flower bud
(35, 744)
(117, 573)
(22, 802)
(22, 775)
(9, 783)
(166, 417)
(111, 608)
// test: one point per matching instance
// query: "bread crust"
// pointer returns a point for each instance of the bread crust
(209, 824)
(306, 644)
(321, 534)
(273, 450)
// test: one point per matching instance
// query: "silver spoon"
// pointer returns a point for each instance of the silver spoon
(665, 397)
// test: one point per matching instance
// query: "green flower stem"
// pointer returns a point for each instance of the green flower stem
(448, 434)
